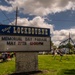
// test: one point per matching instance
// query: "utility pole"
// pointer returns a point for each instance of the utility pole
(16, 16)
(69, 38)
(69, 42)
(50, 43)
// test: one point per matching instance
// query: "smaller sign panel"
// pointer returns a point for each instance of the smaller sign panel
(21, 43)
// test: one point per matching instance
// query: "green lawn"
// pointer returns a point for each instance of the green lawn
(47, 63)
(55, 66)
(7, 67)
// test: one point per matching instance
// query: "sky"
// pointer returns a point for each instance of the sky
(58, 15)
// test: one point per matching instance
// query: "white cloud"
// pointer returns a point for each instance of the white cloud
(35, 22)
(61, 35)
(39, 7)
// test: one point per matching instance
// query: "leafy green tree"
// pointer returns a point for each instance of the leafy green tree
(69, 46)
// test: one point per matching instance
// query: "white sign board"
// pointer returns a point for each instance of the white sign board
(21, 43)
(21, 38)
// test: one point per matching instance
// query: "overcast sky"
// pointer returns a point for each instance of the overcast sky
(58, 15)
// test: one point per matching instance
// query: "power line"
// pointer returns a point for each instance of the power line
(1, 23)
(6, 16)
(6, 19)
(63, 20)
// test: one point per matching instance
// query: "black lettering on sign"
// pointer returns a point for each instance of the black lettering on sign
(28, 39)
(22, 43)
(40, 39)
(11, 38)
(11, 43)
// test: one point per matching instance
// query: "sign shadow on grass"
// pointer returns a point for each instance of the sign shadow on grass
(66, 72)
(27, 73)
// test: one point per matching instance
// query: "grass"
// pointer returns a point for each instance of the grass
(7, 67)
(47, 63)
(53, 66)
